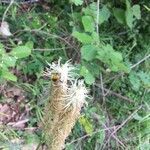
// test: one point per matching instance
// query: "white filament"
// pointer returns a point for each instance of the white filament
(65, 70)
(76, 91)
(77, 95)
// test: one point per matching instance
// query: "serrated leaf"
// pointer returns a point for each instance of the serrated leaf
(91, 10)
(112, 58)
(136, 11)
(88, 52)
(104, 14)
(83, 37)
(21, 51)
(119, 15)
(88, 23)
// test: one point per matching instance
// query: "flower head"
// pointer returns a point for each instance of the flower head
(77, 95)
(76, 90)
(64, 70)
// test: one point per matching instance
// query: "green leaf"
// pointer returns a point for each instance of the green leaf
(91, 10)
(129, 15)
(145, 78)
(88, 23)
(83, 37)
(9, 61)
(119, 15)
(83, 71)
(94, 68)
(104, 14)
(21, 51)
(112, 58)
(134, 80)
(89, 78)
(29, 44)
(129, 18)
(7, 75)
(88, 52)
(77, 2)
(86, 124)
(136, 11)
(95, 37)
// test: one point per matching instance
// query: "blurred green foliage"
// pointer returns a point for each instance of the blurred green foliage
(104, 44)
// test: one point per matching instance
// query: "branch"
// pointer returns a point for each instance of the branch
(140, 61)
(4, 15)
(115, 94)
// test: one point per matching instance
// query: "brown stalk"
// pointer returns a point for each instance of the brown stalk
(58, 121)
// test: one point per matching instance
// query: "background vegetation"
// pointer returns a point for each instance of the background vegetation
(107, 41)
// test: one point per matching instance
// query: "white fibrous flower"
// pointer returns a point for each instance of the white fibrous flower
(68, 95)
(77, 95)
(76, 90)
(64, 70)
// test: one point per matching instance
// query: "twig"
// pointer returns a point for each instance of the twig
(87, 135)
(119, 95)
(4, 15)
(15, 124)
(96, 116)
(115, 94)
(133, 66)
(119, 127)
(114, 77)
(140, 61)
(51, 49)
(45, 33)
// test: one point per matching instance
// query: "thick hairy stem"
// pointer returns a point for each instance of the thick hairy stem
(53, 110)
(63, 108)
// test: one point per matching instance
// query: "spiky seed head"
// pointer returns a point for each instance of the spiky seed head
(77, 95)
(65, 71)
